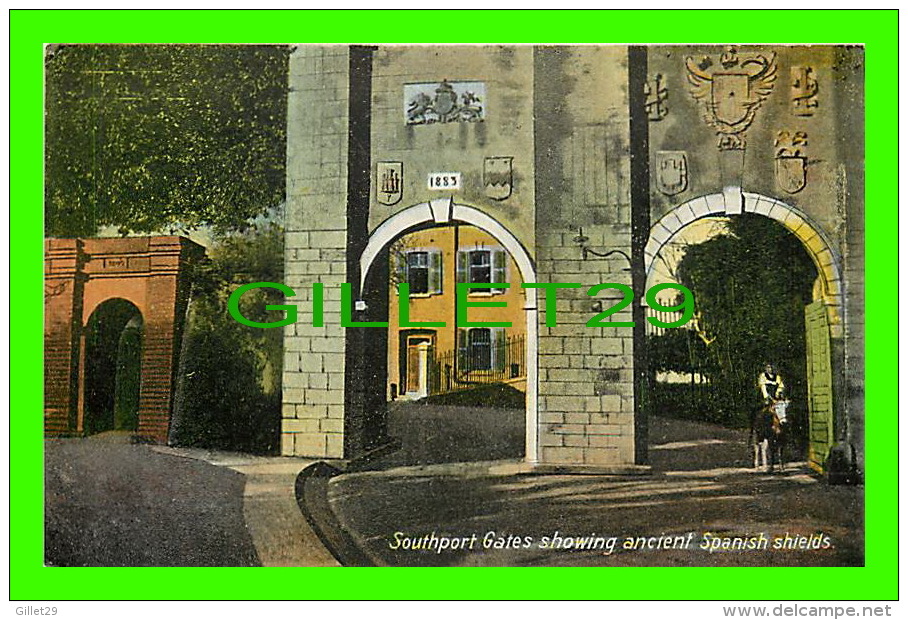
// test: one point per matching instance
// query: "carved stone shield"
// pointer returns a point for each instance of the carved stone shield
(730, 95)
(497, 177)
(791, 172)
(671, 172)
(389, 186)
(445, 100)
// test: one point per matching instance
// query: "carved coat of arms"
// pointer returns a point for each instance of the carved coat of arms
(791, 163)
(731, 91)
(671, 172)
(497, 177)
(444, 103)
(389, 186)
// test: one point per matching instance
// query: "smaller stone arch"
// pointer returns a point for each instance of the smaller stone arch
(735, 202)
(444, 211)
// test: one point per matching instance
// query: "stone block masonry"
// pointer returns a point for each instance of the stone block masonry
(585, 131)
(316, 247)
(586, 373)
(586, 392)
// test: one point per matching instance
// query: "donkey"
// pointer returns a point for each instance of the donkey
(767, 431)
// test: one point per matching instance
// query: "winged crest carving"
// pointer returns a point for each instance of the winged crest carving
(731, 91)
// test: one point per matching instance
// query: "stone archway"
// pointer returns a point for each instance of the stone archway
(81, 276)
(824, 322)
(815, 241)
(443, 211)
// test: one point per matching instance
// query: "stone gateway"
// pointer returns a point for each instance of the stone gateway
(581, 163)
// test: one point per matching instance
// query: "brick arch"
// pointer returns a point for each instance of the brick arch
(812, 236)
(88, 311)
(106, 325)
(80, 276)
(444, 211)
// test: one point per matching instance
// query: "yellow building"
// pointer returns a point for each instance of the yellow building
(425, 360)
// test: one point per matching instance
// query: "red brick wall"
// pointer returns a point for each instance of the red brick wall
(80, 275)
(62, 304)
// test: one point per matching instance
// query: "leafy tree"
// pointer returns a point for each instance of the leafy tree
(680, 351)
(677, 350)
(230, 373)
(154, 137)
(751, 285)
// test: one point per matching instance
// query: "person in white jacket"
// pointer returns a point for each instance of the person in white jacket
(769, 423)
(771, 385)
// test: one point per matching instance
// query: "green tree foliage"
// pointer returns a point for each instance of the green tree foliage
(680, 351)
(230, 374)
(155, 137)
(677, 350)
(751, 285)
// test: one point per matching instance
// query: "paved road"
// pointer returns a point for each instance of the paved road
(449, 434)
(701, 483)
(110, 503)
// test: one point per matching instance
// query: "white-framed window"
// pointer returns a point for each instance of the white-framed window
(418, 272)
(481, 348)
(481, 266)
(422, 270)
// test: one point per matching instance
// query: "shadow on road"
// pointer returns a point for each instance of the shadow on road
(433, 434)
(701, 486)
(681, 445)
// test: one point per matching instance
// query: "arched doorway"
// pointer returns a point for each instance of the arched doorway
(81, 277)
(445, 212)
(112, 368)
(821, 317)
(815, 241)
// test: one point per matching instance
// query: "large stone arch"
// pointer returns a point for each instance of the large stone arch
(815, 240)
(443, 211)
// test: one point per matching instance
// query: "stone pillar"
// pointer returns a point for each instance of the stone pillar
(850, 189)
(640, 227)
(586, 390)
(586, 372)
(316, 250)
(366, 361)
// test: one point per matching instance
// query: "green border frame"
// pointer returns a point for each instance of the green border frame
(29, 30)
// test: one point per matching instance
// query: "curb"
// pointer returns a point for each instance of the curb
(311, 491)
